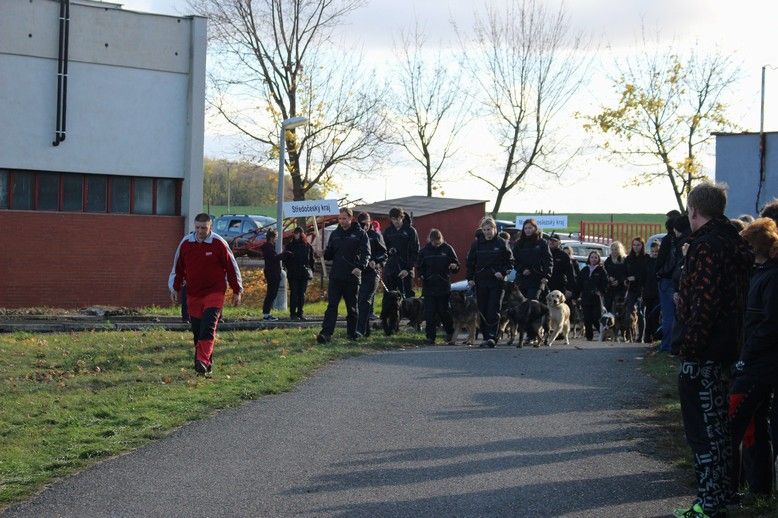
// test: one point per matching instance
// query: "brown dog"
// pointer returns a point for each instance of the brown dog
(464, 312)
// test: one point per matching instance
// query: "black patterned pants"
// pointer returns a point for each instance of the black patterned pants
(703, 393)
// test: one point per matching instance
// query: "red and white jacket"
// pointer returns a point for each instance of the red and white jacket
(206, 267)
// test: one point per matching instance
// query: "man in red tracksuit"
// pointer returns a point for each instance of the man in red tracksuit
(205, 262)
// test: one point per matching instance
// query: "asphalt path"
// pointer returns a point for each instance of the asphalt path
(436, 431)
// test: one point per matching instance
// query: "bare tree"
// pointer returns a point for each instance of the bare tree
(430, 107)
(275, 59)
(667, 112)
(527, 64)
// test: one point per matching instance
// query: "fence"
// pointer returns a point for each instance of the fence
(606, 232)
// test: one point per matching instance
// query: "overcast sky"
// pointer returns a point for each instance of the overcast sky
(744, 29)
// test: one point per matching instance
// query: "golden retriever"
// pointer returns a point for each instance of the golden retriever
(558, 317)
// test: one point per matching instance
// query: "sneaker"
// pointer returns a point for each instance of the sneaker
(490, 343)
(301, 318)
(695, 511)
(200, 367)
(322, 338)
(355, 337)
(269, 318)
(449, 338)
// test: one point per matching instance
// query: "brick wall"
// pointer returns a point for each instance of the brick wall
(72, 260)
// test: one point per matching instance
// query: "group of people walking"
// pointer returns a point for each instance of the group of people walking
(714, 282)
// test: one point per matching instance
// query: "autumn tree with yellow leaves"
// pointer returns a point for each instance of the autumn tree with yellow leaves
(668, 109)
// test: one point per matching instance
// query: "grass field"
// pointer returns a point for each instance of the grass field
(71, 399)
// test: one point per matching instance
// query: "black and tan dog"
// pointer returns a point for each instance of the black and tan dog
(412, 308)
(512, 300)
(464, 312)
(390, 312)
(530, 318)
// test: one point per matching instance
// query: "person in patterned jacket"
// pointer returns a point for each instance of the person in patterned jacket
(204, 262)
(708, 333)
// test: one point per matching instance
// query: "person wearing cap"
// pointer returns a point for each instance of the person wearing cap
(370, 274)
(299, 262)
(563, 277)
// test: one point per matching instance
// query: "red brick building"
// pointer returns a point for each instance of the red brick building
(101, 151)
(457, 219)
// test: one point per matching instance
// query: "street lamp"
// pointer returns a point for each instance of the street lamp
(289, 123)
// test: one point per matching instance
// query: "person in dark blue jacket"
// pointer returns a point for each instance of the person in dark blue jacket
(370, 274)
(272, 273)
(437, 260)
(299, 262)
(592, 283)
(533, 261)
(756, 371)
(402, 243)
(349, 250)
(488, 263)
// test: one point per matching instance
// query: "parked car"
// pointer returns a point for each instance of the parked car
(582, 249)
(245, 233)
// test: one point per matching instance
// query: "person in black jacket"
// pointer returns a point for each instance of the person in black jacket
(636, 277)
(651, 295)
(402, 243)
(592, 283)
(756, 372)
(349, 250)
(299, 262)
(272, 271)
(666, 263)
(370, 274)
(617, 274)
(563, 273)
(488, 262)
(532, 260)
(437, 260)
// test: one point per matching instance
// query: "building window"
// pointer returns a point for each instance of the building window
(120, 194)
(143, 196)
(4, 188)
(73, 192)
(96, 188)
(21, 191)
(166, 197)
(48, 191)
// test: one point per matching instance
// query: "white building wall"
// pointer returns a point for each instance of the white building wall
(135, 97)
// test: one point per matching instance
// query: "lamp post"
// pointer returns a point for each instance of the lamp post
(289, 123)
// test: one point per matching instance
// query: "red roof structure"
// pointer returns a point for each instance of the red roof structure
(457, 219)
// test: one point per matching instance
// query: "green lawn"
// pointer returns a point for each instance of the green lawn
(262, 210)
(70, 399)
(311, 309)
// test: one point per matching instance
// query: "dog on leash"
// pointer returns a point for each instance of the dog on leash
(530, 318)
(390, 312)
(412, 308)
(577, 325)
(629, 325)
(464, 312)
(512, 300)
(607, 325)
(558, 317)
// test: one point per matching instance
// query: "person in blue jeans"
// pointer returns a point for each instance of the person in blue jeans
(668, 271)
